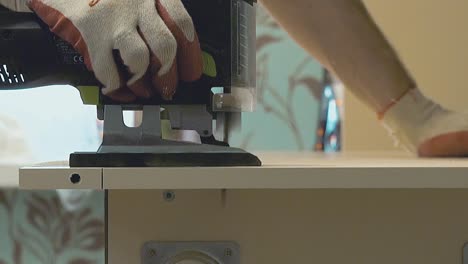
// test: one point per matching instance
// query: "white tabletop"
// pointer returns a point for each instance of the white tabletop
(279, 171)
(9, 176)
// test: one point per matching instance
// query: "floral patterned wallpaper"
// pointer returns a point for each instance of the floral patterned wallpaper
(289, 88)
(36, 229)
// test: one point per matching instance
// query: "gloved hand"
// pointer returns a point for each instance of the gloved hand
(156, 40)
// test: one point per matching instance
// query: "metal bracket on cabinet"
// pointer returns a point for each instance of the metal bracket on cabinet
(190, 252)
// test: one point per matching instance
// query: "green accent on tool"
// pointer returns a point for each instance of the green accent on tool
(209, 65)
(89, 94)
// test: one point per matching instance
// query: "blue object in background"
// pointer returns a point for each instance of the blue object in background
(329, 128)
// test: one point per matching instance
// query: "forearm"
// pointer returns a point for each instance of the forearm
(344, 38)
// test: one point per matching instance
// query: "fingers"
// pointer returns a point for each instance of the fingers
(123, 95)
(179, 22)
(166, 84)
(149, 59)
(106, 70)
(178, 15)
(135, 56)
(163, 47)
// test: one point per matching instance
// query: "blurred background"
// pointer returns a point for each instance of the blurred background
(300, 108)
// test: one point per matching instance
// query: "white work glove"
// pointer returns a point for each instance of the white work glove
(424, 127)
(15, 5)
(156, 40)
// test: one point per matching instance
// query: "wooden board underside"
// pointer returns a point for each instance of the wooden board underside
(297, 226)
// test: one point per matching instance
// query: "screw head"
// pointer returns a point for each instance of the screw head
(75, 178)
(228, 252)
(152, 252)
(169, 196)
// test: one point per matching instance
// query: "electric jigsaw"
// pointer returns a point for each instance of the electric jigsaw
(31, 56)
